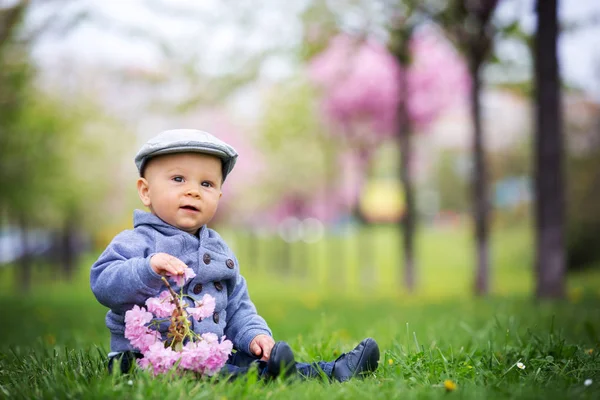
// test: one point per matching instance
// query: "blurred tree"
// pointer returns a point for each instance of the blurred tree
(468, 23)
(47, 148)
(48, 174)
(549, 147)
(401, 27)
(14, 78)
(581, 219)
(371, 95)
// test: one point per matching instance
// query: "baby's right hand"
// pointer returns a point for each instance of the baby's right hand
(166, 264)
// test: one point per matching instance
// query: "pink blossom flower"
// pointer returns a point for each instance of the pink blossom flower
(203, 308)
(160, 358)
(218, 356)
(359, 78)
(137, 317)
(360, 81)
(194, 355)
(144, 341)
(135, 322)
(139, 335)
(161, 306)
(180, 280)
(210, 337)
(225, 347)
(205, 355)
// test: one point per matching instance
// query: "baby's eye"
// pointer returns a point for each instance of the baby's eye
(206, 184)
(178, 179)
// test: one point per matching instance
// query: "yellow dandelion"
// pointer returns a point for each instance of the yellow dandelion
(50, 339)
(391, 362)
(576, 295)
(589, 351)
(449, 385)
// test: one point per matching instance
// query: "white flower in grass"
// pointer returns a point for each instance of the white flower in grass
(520, 365)
(130, 382)
(587, 382)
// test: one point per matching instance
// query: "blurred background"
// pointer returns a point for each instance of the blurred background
(436, 148)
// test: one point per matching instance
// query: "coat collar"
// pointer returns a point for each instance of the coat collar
(145, 218)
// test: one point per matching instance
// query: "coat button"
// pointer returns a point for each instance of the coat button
(218, 286)
(206, 258)
(229, 263)
(197, 288)
(216, 317)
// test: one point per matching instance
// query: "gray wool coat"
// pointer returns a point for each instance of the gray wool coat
(122, 277)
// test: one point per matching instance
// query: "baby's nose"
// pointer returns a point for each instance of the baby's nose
(193, 192)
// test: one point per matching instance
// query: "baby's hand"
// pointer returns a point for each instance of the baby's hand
(261, 346)
(166, 264)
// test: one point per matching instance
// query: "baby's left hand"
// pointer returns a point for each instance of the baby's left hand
(261, 346)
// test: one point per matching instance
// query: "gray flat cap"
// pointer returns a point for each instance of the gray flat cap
(185, 141)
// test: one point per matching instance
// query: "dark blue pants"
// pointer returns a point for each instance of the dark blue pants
(237, 365)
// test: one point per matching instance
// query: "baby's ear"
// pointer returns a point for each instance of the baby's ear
(144, 191)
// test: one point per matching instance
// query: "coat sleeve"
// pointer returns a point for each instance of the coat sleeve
(243, 322)
(122, 276)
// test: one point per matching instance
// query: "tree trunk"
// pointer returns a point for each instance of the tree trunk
(409, 218)
(480, 198)
(549, 179)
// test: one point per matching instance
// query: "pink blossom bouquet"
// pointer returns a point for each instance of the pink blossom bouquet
(183, 349)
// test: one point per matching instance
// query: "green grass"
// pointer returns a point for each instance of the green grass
(53, 340)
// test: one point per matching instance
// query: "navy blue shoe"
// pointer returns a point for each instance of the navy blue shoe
(281, 362)
(126, 361)
(362, 360)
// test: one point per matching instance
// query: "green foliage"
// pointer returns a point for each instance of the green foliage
(512, 161)
(50, 142)
(294, 137)
(47, 159)
(320, 25)
(15, 77)
(451, 181)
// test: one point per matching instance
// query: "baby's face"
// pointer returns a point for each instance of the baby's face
(182, 189)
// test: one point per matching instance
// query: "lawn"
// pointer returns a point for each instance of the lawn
(53, 340)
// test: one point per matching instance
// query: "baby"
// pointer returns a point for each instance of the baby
(181, 175)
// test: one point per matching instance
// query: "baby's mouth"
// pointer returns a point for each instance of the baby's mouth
(189, 208)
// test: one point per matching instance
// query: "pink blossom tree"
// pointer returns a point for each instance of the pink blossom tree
(369, 96)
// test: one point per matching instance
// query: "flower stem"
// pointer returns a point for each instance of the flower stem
(179, 327)
(173, 294)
